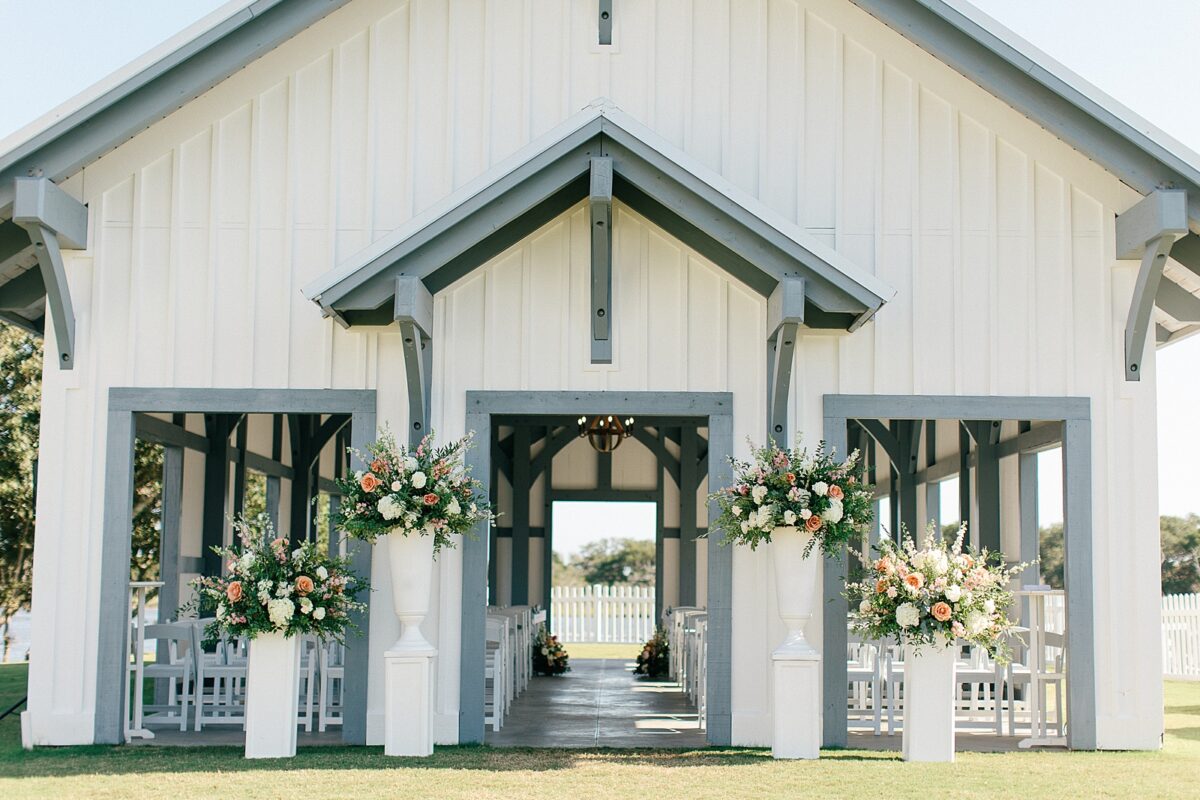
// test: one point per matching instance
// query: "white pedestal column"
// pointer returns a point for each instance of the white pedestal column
(797, 705)
(408, 700)
(272, 693)
(929, 703)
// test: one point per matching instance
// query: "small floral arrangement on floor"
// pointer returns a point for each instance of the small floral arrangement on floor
(655, 659)
(935, 595)
(427, 491)
(786, 488)
(549, 656)
(271, 587)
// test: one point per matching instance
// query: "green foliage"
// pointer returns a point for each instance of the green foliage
(549, 655)
(610, 562)
(1180, 554)
(1180, 537)
(563, 573)
(655, 659)
(20, 416)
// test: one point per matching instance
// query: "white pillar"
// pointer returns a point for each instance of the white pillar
(797, 706)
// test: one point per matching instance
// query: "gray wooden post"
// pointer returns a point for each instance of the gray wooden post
(474, 598)
(216, 487)
(720, 589)
(358, 644)
(1080, 586)
(834, 612)
(689, 482)
(520, 526)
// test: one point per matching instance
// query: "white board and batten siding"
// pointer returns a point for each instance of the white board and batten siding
(997, 236)
(605, 614)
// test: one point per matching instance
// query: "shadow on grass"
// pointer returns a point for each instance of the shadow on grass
(109, 760)
(1191, 734)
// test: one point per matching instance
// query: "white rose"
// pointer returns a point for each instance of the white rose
(759, 493)
(454, 509)
(418, 480)
(397, 486)
(789, 517)
(864, 606)
(280, 611)
(954, 593)
(410, 464)
(805, 513)
(737, 511)
(306, 605)
(318, 613)
(820, 488)
(907, 615)
(975, 623)
(297, 554)
(834, 513)
(322, 573)
(221, 611)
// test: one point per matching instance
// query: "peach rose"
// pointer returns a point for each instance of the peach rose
(940, 611)
(915, 580)
(378, 466)
(880, 586)
(813, 524)
(884, 565)
(430, 499)
(790, 477)
(304, 585)
(369, 482)
(234, 591)
(836, 492)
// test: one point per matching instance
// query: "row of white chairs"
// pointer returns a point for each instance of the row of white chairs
(508, 662)
(214, 684)
(687, 638)
(989, 696)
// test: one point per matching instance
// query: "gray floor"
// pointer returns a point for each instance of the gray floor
(600, 703)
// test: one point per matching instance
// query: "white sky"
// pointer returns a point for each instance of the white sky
(576, 524)
(1145, 54)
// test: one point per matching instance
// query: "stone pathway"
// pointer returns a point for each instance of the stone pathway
(600, 703)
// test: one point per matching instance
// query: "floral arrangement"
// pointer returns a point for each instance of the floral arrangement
(272, 588)
(655, 659)
(549, 656)
(785, 488)
(426, 490)
(935, 595)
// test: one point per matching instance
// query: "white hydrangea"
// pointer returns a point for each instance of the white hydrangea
(820, 488)
(454, 509)
(246, 561)
(281, 611)
(410, 464)
(975, 623)
(834, 513)
(318, 613)
(759, 493)
(389, 509)
(789, 517)
(907, 615)
(418, 480)
(297, 555)
(954, 593)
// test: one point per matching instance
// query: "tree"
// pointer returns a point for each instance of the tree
(563, 573)
(1050, 551)
(20, 414)
(617, 561)
(1180, 554)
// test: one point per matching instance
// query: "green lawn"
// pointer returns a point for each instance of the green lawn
(478, 772)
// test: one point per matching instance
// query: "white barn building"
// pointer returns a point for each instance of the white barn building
(888, 224)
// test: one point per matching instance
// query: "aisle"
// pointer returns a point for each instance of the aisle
(600, 703)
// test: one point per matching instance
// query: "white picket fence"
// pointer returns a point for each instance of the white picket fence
(1181, 636)
(620, 614)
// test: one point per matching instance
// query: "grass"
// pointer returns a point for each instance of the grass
(601, 650)
(480, 772)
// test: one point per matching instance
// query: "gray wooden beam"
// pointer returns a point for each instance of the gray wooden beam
(1173, 299)
(986, 531)
(413, 303)
(605, 22)
(23, 290)
(780, 359)
(834, 613)
(14, 241)
(168, 434)
(522, 483)
(217, 428)
(1137, 324)
(418, 353)
(600, 197)
(689, 482)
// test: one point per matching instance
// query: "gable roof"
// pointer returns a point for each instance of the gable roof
(550, 175)
(86, 128)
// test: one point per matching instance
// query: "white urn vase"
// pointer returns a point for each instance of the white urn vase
(929, 702)
(272, 688)
(411, 561)
(795, 587)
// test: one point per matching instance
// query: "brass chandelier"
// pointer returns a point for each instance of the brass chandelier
(605, 432)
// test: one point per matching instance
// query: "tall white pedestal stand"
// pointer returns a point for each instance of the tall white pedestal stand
(797, 665)
(929, 703)
(408, 664)
(272, 690)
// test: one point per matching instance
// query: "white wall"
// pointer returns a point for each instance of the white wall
(997, 236)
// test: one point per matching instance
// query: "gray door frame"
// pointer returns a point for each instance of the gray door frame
(112, 649)
(1075, 414)
(718, 408)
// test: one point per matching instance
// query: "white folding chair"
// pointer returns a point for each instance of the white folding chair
(495, 677)
(333, 685)
(309, 645)
(177, 670)
(226, 703)
(865, 681)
